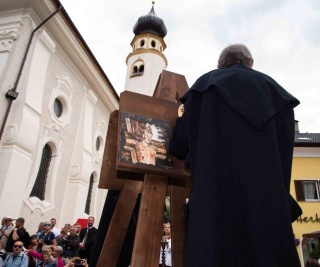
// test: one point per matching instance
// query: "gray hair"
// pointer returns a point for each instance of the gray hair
(237, 53)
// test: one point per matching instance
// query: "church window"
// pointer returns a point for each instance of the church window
(137, 68)
(135, 71)
(142, 43)
(153, 43)
(141, 69)
(307, 190)
(58, 107)
(89, 196)
(39, 187)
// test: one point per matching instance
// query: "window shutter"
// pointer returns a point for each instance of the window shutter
(299, 190)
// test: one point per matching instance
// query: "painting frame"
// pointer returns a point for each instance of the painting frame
(144, 130)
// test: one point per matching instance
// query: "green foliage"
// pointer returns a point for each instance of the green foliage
(315, 253)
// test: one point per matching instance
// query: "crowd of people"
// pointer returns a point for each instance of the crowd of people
(48, 247)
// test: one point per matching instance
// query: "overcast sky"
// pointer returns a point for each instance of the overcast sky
(283, 36)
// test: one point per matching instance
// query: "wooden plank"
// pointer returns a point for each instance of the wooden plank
(178, 195)
(146, 248)
(171, 86)
(108, 177)
(119, 224)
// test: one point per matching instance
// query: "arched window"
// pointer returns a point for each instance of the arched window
(153, 43)
(88, 202)
(141, 69)
(138, 68)
(135, 71)
(39, 187)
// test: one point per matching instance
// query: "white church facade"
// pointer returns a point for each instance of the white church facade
(55, 104)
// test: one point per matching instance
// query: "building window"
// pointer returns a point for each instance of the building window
(98, 143)
(39, 187)
(153, 43)
(58, 107)
(307, 190)
(137, 69)
(142, 43)
(88, 202)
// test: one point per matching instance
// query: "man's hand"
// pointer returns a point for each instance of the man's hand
(181, 110)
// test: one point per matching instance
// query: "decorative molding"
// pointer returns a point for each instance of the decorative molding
(66, 79)
(35, 203)
(7, 38)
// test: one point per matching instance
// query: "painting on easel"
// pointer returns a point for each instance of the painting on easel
(145, 141)
(143, 136)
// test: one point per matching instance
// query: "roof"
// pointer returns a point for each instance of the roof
(307, 139)
(150, 23)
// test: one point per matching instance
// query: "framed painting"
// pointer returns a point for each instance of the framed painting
(144, 130)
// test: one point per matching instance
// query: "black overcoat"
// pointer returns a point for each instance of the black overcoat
(237, 134)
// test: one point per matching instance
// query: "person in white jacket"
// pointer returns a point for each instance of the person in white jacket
(167, 249)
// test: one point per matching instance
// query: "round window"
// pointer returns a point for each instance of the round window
(58, 107)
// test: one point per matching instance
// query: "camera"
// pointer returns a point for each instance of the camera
(78, 263)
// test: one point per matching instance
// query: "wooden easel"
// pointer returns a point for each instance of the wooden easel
(154, 189)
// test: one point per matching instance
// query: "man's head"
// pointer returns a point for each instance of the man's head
(78, 228)
(73, 230)
(47, 226)
(237, 53)
(19, 222)
(90, 221)
(17, 247)
(67, 226)
(8, 220)
(53, 222)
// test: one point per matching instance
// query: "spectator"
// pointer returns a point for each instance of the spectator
(57, 254)
(67, 227)
(72, 262)
(70, 244)
(17, 258)
(19, 233)
(54, 229)
(6, 230)
(34, 247)
(88, 237)
(40, 229)
(78, 228)
(47, 237)
(167, 249)
(59, 238)
(47, 259)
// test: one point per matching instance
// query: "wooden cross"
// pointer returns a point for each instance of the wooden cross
(154, 188)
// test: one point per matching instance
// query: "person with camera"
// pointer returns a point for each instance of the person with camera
(70, 244)
(77, 262)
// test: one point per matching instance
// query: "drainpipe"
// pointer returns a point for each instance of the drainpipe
(12, 94)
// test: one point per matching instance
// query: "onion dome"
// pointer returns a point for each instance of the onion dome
(150, 23)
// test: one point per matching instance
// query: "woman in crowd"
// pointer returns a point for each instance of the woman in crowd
(167, 249)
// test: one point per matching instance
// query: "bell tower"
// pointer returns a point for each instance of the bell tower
(146, 61)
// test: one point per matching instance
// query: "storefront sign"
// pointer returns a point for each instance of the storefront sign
(308, 219)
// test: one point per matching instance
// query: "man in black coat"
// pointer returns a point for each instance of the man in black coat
(19, 233)
(88, 237)
(237, 134)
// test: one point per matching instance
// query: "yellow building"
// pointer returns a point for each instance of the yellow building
(305, 188)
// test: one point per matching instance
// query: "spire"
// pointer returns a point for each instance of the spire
(150, 23)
